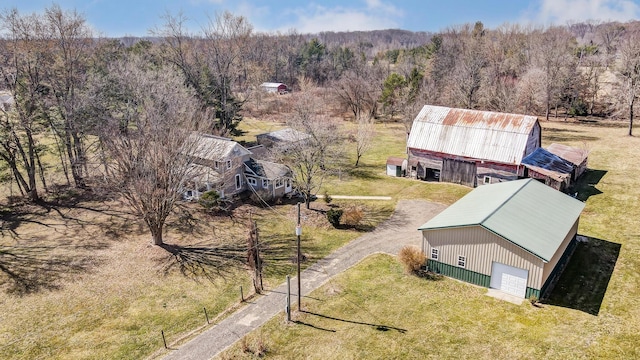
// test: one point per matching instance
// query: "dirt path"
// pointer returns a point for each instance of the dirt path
(399, 230)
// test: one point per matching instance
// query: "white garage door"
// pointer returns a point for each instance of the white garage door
(509, 279)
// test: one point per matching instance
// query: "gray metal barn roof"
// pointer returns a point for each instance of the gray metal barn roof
(525, 212)
(472, 133)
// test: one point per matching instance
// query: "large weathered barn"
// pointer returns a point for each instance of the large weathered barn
(514, 236)
(470, 147)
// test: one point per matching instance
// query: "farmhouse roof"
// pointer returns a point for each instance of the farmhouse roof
(549, 164)
(210, 147)
(525, 212)
(475, 134)
(267, 169)
(573, 155)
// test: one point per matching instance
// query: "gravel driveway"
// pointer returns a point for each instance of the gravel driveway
(399, 230)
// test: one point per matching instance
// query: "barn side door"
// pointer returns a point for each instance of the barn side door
(459, 172)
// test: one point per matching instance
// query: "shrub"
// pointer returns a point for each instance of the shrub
(353, 216)
(334, 215)
(412, 259)
(578, 108)
(327, 197)
(212, 201)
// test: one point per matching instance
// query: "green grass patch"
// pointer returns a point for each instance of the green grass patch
(375, 310)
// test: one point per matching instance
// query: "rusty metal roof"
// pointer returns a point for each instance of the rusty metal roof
(573, 155)
(475, 134)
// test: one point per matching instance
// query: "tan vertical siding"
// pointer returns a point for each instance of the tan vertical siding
(548, 268)
(481, 247)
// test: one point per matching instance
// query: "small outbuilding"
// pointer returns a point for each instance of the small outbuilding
(549, 168)
(396, 166)
(577, 157)
(274, 87)
(514, 236)
(281, 137)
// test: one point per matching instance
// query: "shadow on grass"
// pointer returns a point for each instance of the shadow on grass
(378, 327)
(567, 135)
(205, 261)
(29, 269)
(312, 326)
(584, 281)
(586, 184)
(364, 172)
(55, 212)
(279, 255)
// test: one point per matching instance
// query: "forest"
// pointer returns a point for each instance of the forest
(72, 99)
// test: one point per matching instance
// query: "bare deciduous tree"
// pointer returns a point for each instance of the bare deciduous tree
(468, 72)
(23, 55)
(357, 93)
(311, 156)
(214, 63)
(147, 132)
(627, 71)
(72, 41)
(609, 34)
(553, 55)
(363, 136)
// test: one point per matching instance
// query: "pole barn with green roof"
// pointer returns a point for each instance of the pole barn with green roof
(514, 236)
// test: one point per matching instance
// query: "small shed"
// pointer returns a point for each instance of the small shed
(549, 168)
(514, 236)
(274, 87)
(577, 157)
(396, 166)
(281, 137)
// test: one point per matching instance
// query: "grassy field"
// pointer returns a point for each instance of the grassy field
(80, 280)
(376, 311)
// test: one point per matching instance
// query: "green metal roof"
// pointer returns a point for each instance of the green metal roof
(526, 212)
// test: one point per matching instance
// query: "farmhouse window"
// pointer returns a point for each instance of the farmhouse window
(265, 183)
(462, 261)
(279, 183)
(238, 182)
(252, 181)
(487, 179)
(228, 164)
(215, 165)
(434, 254)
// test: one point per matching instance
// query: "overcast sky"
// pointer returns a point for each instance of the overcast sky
(136, 17)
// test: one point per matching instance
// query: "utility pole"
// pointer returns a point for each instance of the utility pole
(298, 233)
